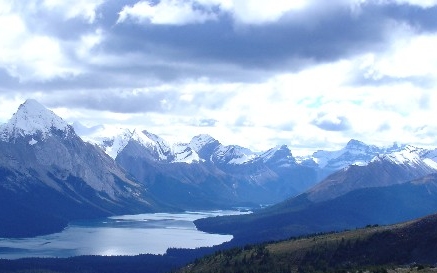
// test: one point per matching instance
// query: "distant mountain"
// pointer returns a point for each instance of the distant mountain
(49, 176)
(391, 188)
(204, 173)
(383, 170)
(236, 175)
(354, 153)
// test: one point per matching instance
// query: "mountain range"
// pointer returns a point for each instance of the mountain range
(391, 188)
(50, 175)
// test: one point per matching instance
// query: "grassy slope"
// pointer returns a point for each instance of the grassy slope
(372, 247)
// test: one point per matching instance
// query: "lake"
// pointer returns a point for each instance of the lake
(118, 235)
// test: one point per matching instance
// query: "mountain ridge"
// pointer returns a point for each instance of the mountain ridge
(408, 245)
(49, 176)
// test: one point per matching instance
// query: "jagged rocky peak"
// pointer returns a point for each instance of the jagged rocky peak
(205, 146)
(158, 147)
(33, 118)
(232, 154)
(355, 144)
(182, 152)
(279, 155)
(200, 141)
(148, 139)
(115, 144)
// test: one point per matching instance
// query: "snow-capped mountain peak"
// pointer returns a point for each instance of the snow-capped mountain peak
(153, 142)
(182, 152)
(199, 141)
(280, 154)
(409, 155)
(354, 153)
(32, 118)
(114, 145)
(233, 154)
(354, 144)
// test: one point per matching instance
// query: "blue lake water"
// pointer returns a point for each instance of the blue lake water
(118, 235)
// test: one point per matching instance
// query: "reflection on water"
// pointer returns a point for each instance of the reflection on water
(118, 235)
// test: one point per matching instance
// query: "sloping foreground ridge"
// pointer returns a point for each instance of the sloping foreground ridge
(373, 248)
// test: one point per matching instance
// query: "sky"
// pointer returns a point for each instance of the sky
(310, 74)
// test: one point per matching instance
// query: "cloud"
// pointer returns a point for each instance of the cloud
(420, 3)
(173, 12)
(261, 12)
(331, 122)
(28, 56)
(81, 129)
(166, 12)
(299, 72)
(204, 122)
(28, 49)
(384, 127)
(85, 9)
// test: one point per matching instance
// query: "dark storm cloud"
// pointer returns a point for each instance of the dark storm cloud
(220, 50)
(282, 46)
(148, 55)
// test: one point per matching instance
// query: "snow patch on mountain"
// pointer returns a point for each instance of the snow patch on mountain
(269, 154)
(182, 152)
(431, 163)
(430, 155)
(32, 118)
(279, 155)
(410, 155)
(114, 145)
(233, 154)
(153, 143)
(354, 153)
(200, 141)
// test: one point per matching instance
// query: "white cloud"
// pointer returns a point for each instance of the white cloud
(31, 55)
(408, 53)
(171, 12)
(420, 3)
(87, 43)
(174, 12)
(198, 11)
(413, 56)
(258, 12)
(310, 108)
(85, 9)
(28, 56)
